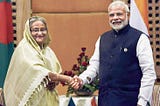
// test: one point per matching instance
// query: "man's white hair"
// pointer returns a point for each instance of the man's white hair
(119, 3)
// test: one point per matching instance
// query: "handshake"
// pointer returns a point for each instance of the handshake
(74, 82)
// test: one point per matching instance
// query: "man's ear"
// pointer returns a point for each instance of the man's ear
(128, 14)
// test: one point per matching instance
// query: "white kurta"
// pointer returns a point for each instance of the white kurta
(145, 57)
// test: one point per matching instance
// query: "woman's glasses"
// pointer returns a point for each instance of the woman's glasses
(36, 30)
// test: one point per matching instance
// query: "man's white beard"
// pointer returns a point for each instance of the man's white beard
(119, 27)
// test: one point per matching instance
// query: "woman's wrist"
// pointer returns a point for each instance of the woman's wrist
(64, 78)
(57, 77)
(53, 76)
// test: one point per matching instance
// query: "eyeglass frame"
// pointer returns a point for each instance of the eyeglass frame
(36, 30)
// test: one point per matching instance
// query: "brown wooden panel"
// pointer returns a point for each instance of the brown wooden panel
(69, 5)
(154, 31)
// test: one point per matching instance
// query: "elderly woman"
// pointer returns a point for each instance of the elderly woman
(34, 69)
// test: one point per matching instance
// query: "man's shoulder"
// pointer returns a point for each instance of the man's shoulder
(136, 30)
(107, 32)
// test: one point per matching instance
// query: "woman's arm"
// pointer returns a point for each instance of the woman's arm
(59, 77)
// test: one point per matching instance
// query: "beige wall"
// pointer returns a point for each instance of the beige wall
(72, 24)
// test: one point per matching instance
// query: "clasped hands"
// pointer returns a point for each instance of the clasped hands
(55, 78)
(76, 82)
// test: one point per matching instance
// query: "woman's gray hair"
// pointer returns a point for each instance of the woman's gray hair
(37, 18)
(119, 3)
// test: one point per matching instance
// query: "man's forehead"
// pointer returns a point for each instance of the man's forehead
(116, 10)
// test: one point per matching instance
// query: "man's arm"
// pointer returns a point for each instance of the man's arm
(93, 69)
(145, 57)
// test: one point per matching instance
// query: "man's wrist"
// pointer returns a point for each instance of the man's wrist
(142, 102)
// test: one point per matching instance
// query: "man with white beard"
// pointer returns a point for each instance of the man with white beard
(123, 60)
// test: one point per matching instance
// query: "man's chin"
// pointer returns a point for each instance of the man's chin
(117, 28)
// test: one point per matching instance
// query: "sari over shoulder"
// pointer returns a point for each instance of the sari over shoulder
(27, 76)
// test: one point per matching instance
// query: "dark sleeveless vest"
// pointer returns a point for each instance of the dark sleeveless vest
(119, 71)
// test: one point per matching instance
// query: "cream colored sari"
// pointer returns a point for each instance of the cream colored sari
(26, 80)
